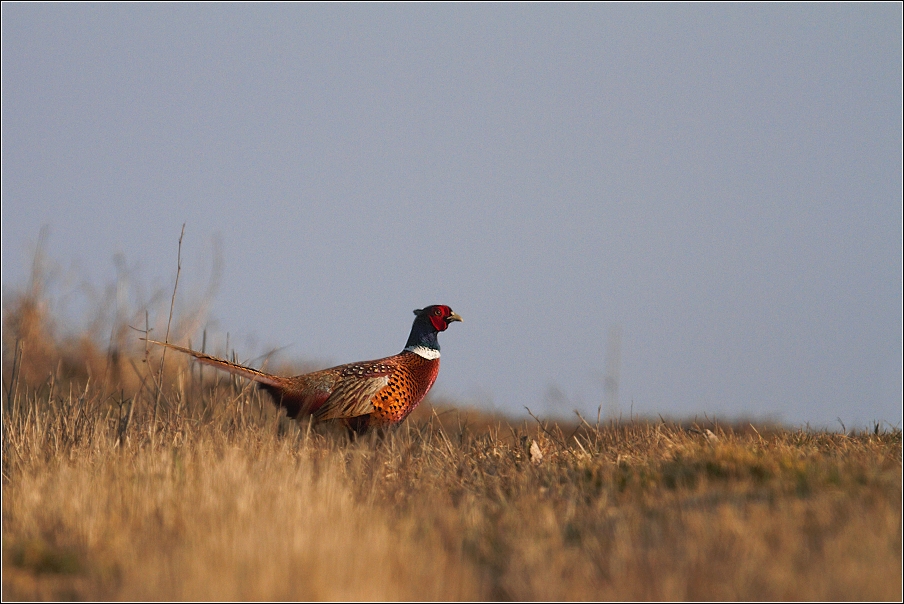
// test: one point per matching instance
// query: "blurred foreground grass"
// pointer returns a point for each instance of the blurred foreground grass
(111, 491)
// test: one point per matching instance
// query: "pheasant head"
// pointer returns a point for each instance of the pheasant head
(427, 323)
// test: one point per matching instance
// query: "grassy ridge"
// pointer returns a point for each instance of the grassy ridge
(242, 504)
(111, 491)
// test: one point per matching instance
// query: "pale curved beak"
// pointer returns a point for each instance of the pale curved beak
(453, 317)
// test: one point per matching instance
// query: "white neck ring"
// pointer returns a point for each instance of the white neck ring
(423, 351)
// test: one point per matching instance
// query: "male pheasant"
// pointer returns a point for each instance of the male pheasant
(365, 395)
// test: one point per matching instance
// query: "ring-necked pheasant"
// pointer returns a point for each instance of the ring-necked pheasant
(365, 395)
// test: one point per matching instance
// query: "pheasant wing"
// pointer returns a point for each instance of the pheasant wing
(354, 393)
(351, 398)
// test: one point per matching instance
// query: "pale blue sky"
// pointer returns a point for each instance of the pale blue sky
(723, 183)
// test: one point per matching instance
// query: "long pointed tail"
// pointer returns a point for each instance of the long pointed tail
(235, 368)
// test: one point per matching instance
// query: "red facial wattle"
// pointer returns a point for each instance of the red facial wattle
(438, 317)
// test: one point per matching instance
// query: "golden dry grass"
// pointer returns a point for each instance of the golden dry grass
(206, 493)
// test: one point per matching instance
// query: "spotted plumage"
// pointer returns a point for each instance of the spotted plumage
(364, 395)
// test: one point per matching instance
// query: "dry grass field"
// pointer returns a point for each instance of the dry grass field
(122, 482)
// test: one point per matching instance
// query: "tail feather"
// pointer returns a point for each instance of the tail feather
(234, 368)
